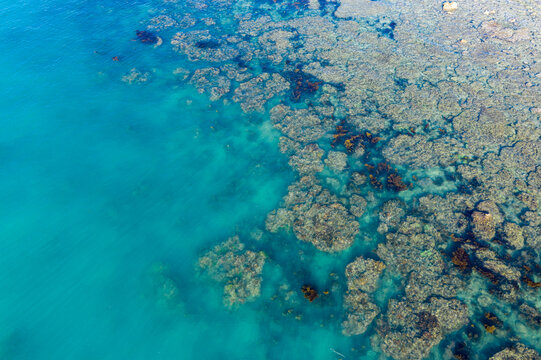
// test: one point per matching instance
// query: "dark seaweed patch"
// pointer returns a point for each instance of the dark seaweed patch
(401, 83)
(303, 84)
(207, 44)
(146, 37)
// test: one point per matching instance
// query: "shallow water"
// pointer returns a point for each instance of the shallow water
(113, 188)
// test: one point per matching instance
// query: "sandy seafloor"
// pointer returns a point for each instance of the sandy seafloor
(384, 153)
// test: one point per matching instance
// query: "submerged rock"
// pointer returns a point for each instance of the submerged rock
(360, 312)
(392, 212)
(336, 161)
(329, 228)
(362, 278)
(238, 269)
(513, 235)
(410, 330)
(516, 352)
(136, 77)
(363, 274)
(483, 225)
(315, 216)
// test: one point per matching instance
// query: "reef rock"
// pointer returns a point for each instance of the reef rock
(253, 94)
(513, 235)
(392, 212)
(410, 330)
(329, 228)
(492, 262)
(360, 313)
(516, 352)
(357, 205)
(483, 225)
(315, 216)
(336, 161)
(363, 274)
(359, 8)
(239, 270)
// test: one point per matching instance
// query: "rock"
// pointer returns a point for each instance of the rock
(307, 160)
(315, 216)
(360, 313)
(357, 205)
(450, 6)
(410, 330)
(336, 161)
(513, 235)
(531, 314)
(491, 261)
(329, 228)
(212, 82)
(362, 279)
(239, 270)
(491, 208)
(516, 352)
(253, 94)
(313, 4)
(363, 274)
(390, 215)
(201, 45)
(301, 125)
(483, 225)
(359, 8)
(423, 284)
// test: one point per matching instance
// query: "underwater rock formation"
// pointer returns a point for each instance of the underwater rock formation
(238, 269)
(166, 291)
(253, 94)
(516, 352)
(136, 77)
(411, 330)
(399, 121)
(316, 216)
(363, 274)
(362, 280)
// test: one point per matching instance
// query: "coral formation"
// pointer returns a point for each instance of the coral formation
(423, 124)
(362, 279)
(238, 269)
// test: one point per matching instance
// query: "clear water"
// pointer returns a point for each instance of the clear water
(101, 182)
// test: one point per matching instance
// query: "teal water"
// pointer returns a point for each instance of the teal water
(108, 190)
(101, 181)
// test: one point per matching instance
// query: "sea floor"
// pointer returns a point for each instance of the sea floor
(347, 179)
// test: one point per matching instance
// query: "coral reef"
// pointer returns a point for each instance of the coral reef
(411, 330)
(362, 280)
(315, 216)
(238, 269)
(424, 124)
(516, 352)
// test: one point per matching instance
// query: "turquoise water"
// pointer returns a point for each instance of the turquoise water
(109, 190)
(101, 181)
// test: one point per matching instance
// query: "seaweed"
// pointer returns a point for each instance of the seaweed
(146, 37)
(309, 292)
